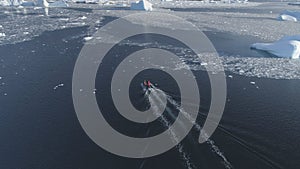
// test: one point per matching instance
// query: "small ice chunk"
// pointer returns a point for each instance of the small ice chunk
(253, 83)
(87, 38)
(285, 17)
(57, 86)
(79, 1)
(241, 71)
(45, 3)
(204, 64)
(27, 3)
(83, 17)
(37, 7)
(141, 5)
(2, 35)
(64, 19)
(230, 76)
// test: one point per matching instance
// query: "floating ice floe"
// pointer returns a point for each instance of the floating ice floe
(79, 1)
(10, 2)
(88, 38)
(4, 3)
(289, 16)
(92, 1)
(294, 3)
(2, 35)
(234, 1)
(224, 1)
(45, 3)
(57, 86)
(141, 5)
(19, 3)
(83, 17)
(28, 3)
(287, 47)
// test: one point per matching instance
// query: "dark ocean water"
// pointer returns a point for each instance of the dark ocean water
(39, 127)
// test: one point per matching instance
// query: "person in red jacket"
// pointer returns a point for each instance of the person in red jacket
(147, 83)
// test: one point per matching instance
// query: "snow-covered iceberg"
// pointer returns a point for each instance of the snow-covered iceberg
(287, 47)
(141, 5)
(2, 34)
(17, 3)
(234, 1)
(28, 3)
(289, 16)
(10, 2)
(45, 3)
(4, 3)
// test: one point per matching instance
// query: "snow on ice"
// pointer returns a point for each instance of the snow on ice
(141, 5)
(289, 16)
(287, 47)
(45, 3)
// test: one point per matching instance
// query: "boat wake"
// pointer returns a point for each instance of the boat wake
(154, 102)
(157, 97)
(209, 141)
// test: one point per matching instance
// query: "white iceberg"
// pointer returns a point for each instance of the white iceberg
(141, 5)
(87, 38)
(289, 16)
(79, 1)
(284, 17)
(10, 2)
(4, 3)
(28, 3)
(92, 1)
(45, 3)
(16, 3)
(287, 47)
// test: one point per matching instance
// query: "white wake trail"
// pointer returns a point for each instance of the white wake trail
(167, 124)
(210, 142)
